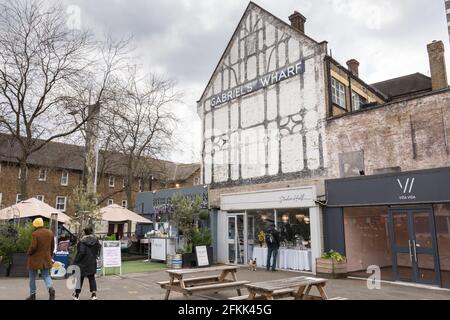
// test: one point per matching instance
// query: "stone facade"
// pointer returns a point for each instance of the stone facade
(272, 134)
(405, 135)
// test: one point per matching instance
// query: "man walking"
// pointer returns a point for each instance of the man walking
(273, 244)
(40, 255)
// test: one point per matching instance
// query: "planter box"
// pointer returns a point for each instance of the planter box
(189, 260)
(330, 268)
(19, 265)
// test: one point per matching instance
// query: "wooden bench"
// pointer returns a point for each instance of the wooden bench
(188, 286)
(338, 298)
(277, 294)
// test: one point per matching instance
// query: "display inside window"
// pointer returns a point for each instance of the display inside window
(295, 228)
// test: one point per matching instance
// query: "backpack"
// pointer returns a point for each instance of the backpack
(269, 238)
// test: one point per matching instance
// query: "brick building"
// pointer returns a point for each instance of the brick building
(57, 169)
(389, 202)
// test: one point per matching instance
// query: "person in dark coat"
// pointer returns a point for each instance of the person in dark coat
(88, 250)
(40, 255)
(273, 244)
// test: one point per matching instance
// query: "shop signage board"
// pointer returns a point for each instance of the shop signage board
(262, 82)
(427, 186)
(201, 254)
(281, 199)
(159, 249)
(111, 255)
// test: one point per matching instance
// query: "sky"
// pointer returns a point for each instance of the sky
(184, 39)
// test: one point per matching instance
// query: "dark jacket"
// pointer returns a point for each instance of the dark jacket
(40, 252)
(88, 249)
(276, 238)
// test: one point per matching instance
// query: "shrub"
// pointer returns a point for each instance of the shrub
(333, 255)
(201, 237)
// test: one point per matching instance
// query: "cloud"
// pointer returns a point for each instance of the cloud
(184, 39)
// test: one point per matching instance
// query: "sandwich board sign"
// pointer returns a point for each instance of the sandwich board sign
(112, 255)
(201, 253)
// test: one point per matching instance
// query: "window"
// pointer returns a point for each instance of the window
(124, 203)
(18, 198)
(125, 182)
(40, 198)
(110, 202)
(112, 181)
(65, 178)
(196, 181)
(141, 185)
(338, 93)
(42, 174)
(61, 203)
(357, 101)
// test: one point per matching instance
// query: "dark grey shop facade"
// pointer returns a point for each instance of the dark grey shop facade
(399, 222)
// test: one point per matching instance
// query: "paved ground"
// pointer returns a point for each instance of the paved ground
(141, 286)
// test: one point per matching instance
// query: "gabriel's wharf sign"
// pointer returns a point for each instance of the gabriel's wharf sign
(260, 83)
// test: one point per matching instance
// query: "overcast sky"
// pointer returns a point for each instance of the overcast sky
(184, 39)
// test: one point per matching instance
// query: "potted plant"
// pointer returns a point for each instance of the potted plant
(19, 256)
(332, 265)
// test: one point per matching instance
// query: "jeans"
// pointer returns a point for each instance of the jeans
(272, 252)
(45, 275)
(92, 284)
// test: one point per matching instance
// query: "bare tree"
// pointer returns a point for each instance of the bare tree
(141, 124)
(40, 61)
(52, 79)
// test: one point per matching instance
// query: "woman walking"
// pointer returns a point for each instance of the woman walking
(88, 250)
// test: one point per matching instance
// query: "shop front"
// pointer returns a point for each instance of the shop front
(245, 217)
(398, 222)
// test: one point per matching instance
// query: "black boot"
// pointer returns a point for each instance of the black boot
(51, 293)
(32, 297)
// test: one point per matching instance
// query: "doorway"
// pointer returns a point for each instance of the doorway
(236, 240)
(414, 249)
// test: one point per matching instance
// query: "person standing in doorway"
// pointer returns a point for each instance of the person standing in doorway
(40, 255)
(88, 250)
(273, 244)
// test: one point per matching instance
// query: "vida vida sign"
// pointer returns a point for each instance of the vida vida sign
(260, 83)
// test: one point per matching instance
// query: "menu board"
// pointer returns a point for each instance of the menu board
(201, 254)
(112, 256)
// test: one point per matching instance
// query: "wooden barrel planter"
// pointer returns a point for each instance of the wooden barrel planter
(330, 268)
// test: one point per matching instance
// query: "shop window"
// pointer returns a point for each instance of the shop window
(338, 93)
(294, 227)
(357, 101)
(442, 220)
(367, 240)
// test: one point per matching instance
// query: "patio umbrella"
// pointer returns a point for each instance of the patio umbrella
(116, 213)
(32, 208)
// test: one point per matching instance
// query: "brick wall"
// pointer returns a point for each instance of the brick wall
(408, 135)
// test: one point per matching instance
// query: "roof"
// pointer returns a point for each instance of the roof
(71, 157)
(228, 47)
(404, 86)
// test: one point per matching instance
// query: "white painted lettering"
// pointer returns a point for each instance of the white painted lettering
(290, 71)
(265, 81)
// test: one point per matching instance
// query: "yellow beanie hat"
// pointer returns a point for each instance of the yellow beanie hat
(38, 223)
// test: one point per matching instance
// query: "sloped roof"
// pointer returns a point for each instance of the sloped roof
(404, 86)
(71, 157)
(250, 6)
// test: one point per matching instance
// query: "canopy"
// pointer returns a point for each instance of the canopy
(116, 213)
(32, 208)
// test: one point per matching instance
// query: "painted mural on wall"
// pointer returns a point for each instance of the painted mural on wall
(264, 108)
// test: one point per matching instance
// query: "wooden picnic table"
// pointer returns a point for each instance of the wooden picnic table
(298, 287)
(188, 286)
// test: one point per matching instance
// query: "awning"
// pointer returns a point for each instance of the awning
(32, 208)
(116, 213)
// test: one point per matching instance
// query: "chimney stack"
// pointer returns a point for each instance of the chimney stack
(353, 67)
(298, 21)
(437, 65)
